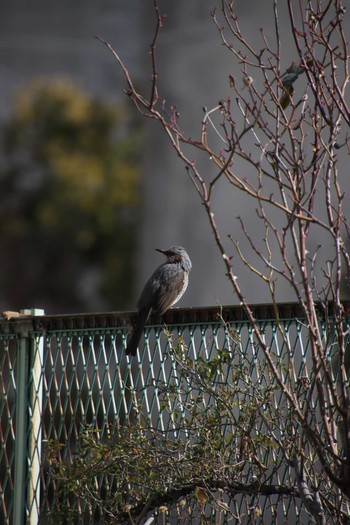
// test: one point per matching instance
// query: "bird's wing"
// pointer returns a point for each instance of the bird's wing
(163, 289)
(169, 292)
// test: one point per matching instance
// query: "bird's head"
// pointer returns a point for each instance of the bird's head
(177, 254)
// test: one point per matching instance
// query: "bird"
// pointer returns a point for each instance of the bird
(164, 288)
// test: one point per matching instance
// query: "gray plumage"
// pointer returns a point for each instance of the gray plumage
(163, 289)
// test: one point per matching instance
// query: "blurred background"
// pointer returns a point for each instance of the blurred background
(88, 189)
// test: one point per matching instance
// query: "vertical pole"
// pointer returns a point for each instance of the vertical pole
(28, 449)
(35, 425)
(21, 423)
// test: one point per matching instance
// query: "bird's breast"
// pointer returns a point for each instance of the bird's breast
(183, 289)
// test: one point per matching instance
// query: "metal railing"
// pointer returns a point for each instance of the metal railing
(60, 374)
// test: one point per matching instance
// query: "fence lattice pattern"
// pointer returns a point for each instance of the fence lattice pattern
(63, 374)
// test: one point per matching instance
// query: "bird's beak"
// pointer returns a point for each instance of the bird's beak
(159, 250)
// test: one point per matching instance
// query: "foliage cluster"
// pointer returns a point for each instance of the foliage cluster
(69, 186)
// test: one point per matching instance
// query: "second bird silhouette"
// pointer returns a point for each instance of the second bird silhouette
(163, 289)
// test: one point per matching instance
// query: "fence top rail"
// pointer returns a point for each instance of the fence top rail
(13, 322)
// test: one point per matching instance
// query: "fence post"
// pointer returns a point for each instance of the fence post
(24, 445)
(23, 329)
(35, 422)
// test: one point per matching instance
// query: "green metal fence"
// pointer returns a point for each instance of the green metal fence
(60, 374)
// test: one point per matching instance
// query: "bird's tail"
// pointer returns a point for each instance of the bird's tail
(131, 348)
